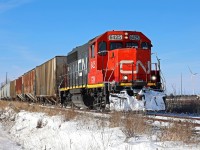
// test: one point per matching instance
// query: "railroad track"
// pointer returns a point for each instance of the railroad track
(168, 117)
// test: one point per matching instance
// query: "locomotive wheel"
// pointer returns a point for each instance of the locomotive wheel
(97, 104)
(66, 100)
(68, 104)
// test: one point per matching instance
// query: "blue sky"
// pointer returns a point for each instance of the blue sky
(33, 31)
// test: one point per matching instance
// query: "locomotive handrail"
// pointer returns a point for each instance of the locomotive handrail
(163, 80)
(161, 74)
(71, 73)
(112, 71)
(105, 72)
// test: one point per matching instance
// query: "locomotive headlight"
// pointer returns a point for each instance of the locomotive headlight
(126, 33)
(126, 37)
(125, 78)
(153, 78)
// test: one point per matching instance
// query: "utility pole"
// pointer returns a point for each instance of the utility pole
(6, 77)
(181, 84)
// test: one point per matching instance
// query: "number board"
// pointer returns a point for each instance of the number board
(115, 37)
(134, 37)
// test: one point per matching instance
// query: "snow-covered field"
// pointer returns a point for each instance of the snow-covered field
(38, 131)
(5, 142)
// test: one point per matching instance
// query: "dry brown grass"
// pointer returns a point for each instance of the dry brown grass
(34, 107)
(50, 111)
(179, 131)
(102, 122)
(84, 119)
(116, 119)
(19, 105)
(69, 114)
(3, 104)
(16, 106)
(134, 125)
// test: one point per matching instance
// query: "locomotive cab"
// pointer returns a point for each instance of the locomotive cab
(122, 59)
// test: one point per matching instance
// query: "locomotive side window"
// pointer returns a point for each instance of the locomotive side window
(131, 44)
(92, 51)
(145, 45)
(115, 45)
(102, 48)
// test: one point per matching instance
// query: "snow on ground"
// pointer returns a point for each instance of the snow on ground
(82, 133)
(150, 100)
(5, 142)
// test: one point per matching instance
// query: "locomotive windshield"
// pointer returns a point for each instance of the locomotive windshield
(131, 44)
(102, 48)
(145, 45)
(115, 45)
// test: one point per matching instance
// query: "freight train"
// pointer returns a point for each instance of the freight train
(112, 69)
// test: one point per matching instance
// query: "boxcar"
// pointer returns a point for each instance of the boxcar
(1, 94)
(19, 89)
(29, 85)
(12, 89)
(48, 78)
(5, 91)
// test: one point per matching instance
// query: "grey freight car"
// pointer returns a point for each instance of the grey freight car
(5, 91)
(8, 91)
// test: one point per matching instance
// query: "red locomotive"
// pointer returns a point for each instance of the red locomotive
(108, 63)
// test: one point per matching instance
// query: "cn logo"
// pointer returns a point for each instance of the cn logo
(92, 64)
(138, 63)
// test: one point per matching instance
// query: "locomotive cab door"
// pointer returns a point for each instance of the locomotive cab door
(95, 75)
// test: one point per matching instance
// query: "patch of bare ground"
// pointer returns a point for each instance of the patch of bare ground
(134, 125)
(69, 114)
(183, 131)
(116, 119)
